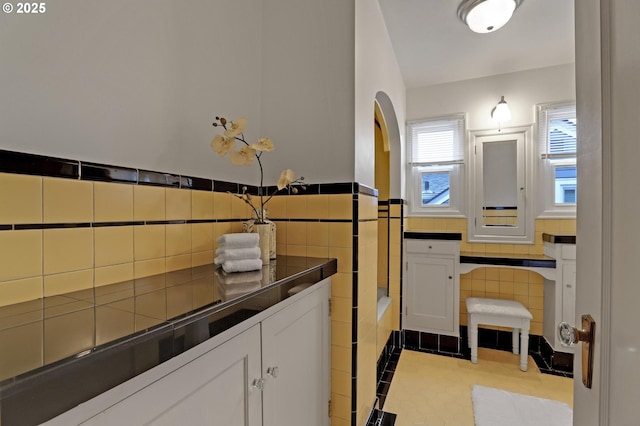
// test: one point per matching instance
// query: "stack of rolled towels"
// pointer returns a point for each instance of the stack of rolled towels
(238, 252)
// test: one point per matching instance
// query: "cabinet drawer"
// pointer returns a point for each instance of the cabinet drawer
(432, 247)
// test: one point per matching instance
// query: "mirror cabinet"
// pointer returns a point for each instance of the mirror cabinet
(500, 199)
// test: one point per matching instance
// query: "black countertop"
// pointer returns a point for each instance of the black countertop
(559, 239)
(63, 350)
(420, 235)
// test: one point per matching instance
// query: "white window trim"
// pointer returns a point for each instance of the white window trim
(457, 197)
(546, 177)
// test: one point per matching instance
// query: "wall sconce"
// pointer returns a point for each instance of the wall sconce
(486, 16)
(501, 112)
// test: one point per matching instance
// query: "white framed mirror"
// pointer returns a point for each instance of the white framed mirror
(500, 201)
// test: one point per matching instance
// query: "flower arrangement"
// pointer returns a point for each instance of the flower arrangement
(226, 144)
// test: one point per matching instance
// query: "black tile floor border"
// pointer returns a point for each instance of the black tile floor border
(380, 418)
(547, 360)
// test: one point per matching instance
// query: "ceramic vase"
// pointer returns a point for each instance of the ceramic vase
(249, 225)
(264, 232)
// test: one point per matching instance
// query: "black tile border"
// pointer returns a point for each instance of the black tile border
(106, 173)
(30, 164)
(547, 360)
(41, 165)
(509, 261)
(147, 177)
(449, 236)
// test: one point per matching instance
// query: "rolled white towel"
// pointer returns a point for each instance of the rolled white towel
(243, 265)
(239, 240)
(236, 254)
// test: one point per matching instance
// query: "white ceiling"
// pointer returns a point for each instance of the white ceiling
(433, 46)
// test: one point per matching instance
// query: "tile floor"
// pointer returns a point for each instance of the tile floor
(431, 390)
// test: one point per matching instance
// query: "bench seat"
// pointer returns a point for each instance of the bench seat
(497, 312)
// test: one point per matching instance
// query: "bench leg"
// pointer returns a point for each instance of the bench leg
(473, 340)
(524, 347)
(515, 344)
(469, 329)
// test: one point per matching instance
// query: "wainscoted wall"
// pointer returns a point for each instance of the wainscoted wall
(502, 283)
(67, 225)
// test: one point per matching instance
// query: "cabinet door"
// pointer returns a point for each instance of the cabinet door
(295, 363)
(429, 297)
(214, 388)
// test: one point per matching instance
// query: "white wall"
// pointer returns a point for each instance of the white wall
(307, 87)
(138, 83)
(129, 83)
(477, 97)
(376, 71)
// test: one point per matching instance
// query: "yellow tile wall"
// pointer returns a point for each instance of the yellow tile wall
(325, 239)
(39, 263)
(502, 283)
(367, 305)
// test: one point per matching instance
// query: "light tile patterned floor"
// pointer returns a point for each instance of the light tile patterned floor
(433, 390)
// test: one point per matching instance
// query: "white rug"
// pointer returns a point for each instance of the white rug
(496, 407)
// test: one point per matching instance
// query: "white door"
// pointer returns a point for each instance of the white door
(214, 388)
(429, 302)
(295, 363)
(608, 237)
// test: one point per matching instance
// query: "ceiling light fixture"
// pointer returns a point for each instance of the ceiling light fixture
(486, 16)
(501, 112)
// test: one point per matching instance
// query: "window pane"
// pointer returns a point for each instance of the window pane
(435, 188)
(565, 185)
(562, 137)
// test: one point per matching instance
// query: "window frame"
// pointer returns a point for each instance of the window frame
(547, 165)
(455, 169)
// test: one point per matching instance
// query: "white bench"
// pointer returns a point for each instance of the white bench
(505, 313)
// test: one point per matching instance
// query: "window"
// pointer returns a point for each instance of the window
(436, 156)
(557, 144)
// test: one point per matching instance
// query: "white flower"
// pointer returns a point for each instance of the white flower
(286, 177)
(236, 128)
(263, 144)
(222, 145)
(244, 157)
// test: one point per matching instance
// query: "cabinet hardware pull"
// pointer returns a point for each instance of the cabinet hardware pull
(258, 384)
(273, 372)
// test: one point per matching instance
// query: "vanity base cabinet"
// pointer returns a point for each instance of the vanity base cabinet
(431, 291)
(275, 371)
(560, 295)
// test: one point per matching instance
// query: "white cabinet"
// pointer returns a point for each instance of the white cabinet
(295, 365)
(273, 371)
(431, 293)
(560, 295)
(213, 388)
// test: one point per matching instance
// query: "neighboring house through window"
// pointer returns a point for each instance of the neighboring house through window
(558, 142)
(436, 156)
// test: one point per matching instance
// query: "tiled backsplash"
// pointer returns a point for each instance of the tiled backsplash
(64, 226)
(67, 225)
